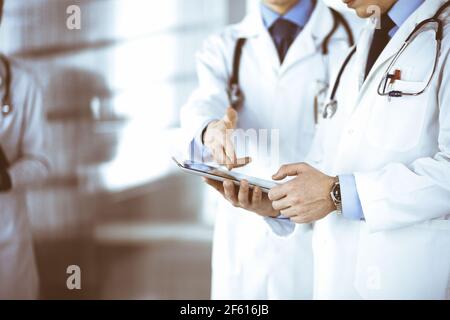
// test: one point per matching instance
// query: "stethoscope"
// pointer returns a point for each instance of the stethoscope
(234, 92)
(6, 106)
(332, 105)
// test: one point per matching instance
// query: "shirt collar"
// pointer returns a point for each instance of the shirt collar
(298, 14)
(401, 11)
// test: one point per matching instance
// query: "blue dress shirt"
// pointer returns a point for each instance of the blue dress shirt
(351, 204)
(401, 11)
(298, 14)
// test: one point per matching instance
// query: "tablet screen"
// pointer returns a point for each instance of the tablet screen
(201, 167)
(204, 168)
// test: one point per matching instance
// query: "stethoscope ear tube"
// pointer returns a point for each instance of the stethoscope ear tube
(331, 107)
(341, 73)
(440, 32)
(5, 178)
(338, 20)
(234, 92)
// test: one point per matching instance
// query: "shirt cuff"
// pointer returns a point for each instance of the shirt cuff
(281, 227)
(351, 204)
(198, 152)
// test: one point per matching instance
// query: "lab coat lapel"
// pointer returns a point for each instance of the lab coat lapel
(266, 47)
(303, 47)
(362, 53)
(253, 27)
(310, 38)
(354, 75)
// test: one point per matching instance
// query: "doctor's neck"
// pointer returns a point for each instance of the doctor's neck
(280, 6)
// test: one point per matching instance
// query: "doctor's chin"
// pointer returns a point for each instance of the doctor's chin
(225, 155)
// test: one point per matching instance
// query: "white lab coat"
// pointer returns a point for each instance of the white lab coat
(250, 262)
(21, 137)
(399, 151)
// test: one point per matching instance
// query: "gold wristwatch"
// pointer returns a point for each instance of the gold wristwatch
(336, 195)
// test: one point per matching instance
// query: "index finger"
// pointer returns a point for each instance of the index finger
(229, 152)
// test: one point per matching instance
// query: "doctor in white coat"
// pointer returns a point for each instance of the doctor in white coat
(22, 162)
(377, 181)
(278, 78)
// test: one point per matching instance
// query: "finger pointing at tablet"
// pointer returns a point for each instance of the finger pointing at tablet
(218, 139)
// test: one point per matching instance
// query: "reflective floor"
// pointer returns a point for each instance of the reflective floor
(145, 246)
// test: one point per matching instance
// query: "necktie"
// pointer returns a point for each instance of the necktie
(283, 33)
(380, 39)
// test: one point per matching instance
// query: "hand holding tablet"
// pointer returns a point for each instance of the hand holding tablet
(218, 174)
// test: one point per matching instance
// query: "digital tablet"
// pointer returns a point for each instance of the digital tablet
(218, 174)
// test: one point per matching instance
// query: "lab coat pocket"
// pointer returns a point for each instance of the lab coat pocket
(396, 124)
(408, 263)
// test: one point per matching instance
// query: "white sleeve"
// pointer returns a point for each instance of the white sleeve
(400, 195)
(209, 101)
(32, 166)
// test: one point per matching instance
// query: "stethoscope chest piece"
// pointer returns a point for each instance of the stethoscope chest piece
(235, 96)
(6, 109)
(330, 109)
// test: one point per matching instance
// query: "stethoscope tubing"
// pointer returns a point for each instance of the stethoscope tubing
(234, 92)
(6, 106)
(331, 106)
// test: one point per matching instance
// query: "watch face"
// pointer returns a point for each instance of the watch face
(337, 192)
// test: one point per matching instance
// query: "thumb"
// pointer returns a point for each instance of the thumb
(231, 117)
(288, 170)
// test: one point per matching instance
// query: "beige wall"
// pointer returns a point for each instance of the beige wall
(112, 93)
(132, 60)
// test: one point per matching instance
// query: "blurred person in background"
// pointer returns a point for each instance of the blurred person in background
(278, 56)
(22, 163)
